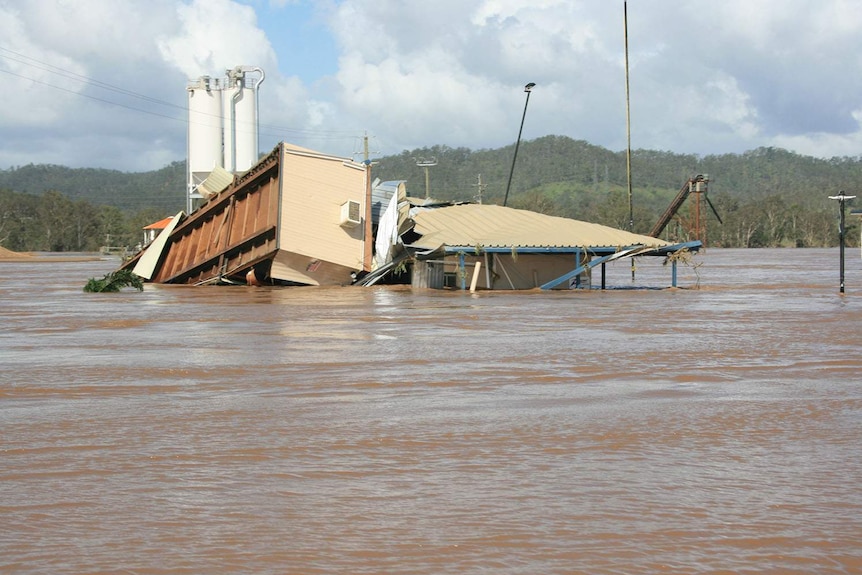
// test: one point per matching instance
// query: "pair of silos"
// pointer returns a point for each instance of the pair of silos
(223, 125)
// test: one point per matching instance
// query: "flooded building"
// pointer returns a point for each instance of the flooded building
(301, 217)
(494, 247)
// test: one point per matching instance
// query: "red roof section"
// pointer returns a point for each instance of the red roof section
(159, 225)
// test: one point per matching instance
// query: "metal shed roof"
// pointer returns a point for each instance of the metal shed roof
(491, 226)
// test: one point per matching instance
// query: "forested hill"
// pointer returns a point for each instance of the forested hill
(162, 189)
(767, 196)
(565, 165)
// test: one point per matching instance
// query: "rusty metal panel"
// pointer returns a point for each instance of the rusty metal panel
(229, 233)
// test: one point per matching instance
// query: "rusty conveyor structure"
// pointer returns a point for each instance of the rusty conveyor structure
(696, 185)
(235, 231)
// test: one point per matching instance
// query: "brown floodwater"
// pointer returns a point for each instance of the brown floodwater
(385, 430)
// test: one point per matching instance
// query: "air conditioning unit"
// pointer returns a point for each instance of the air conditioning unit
(350, 214)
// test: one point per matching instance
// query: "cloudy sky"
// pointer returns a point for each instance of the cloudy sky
(102, 83)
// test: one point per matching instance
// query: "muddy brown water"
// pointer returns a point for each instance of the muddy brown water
(385, 430)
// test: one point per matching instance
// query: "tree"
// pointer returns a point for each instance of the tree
(54, 222)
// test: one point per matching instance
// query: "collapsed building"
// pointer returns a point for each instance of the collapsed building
(302, 217)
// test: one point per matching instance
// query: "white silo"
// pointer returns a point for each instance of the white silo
(241, 118)
(205, 131)
(223, 125)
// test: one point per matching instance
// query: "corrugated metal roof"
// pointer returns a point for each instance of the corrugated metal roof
(491, 226)
(381, 193)
(216, 182)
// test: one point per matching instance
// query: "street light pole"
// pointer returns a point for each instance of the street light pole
(427, 164)
(841, 197)
(527, 89)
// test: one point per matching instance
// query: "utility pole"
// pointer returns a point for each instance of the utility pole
(628, 127)
(480, 188)
(422, 163)
(628, 131)
(367, 253)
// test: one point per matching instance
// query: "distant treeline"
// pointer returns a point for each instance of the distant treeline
(55, 208)
(767, 197)
(52, 222)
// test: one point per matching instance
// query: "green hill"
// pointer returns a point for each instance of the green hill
(766, 197)
(162, 189)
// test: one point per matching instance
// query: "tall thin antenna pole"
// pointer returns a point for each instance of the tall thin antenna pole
(628, 122)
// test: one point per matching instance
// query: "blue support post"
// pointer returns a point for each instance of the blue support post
(673, 274)
(577, 265)
(461, 271)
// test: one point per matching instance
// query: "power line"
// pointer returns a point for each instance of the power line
(50, 68)
(91, 97)
(265, 129)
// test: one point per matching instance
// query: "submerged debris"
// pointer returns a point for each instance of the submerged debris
(114, 282)
(685, 257)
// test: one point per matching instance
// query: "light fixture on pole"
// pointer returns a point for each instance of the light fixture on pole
(527, 89)
(841, 197)
(427, 164)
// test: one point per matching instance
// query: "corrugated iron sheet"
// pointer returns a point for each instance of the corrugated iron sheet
(381, 193)
(483, 225)
(215, 183)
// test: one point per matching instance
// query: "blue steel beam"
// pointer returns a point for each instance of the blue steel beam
(577, 271)
(610, 253)
(630, 251)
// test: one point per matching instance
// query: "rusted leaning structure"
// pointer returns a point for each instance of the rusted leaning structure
(294, 218)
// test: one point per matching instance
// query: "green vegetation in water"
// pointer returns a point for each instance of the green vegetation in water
(114, 282)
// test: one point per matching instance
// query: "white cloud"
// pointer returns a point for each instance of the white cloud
(216, 35)
(706, 76)
(825, 145)
(462, 84)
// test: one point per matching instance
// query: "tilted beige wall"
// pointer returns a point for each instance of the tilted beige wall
(314, 186)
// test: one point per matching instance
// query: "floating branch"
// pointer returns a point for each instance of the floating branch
(114, 282)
